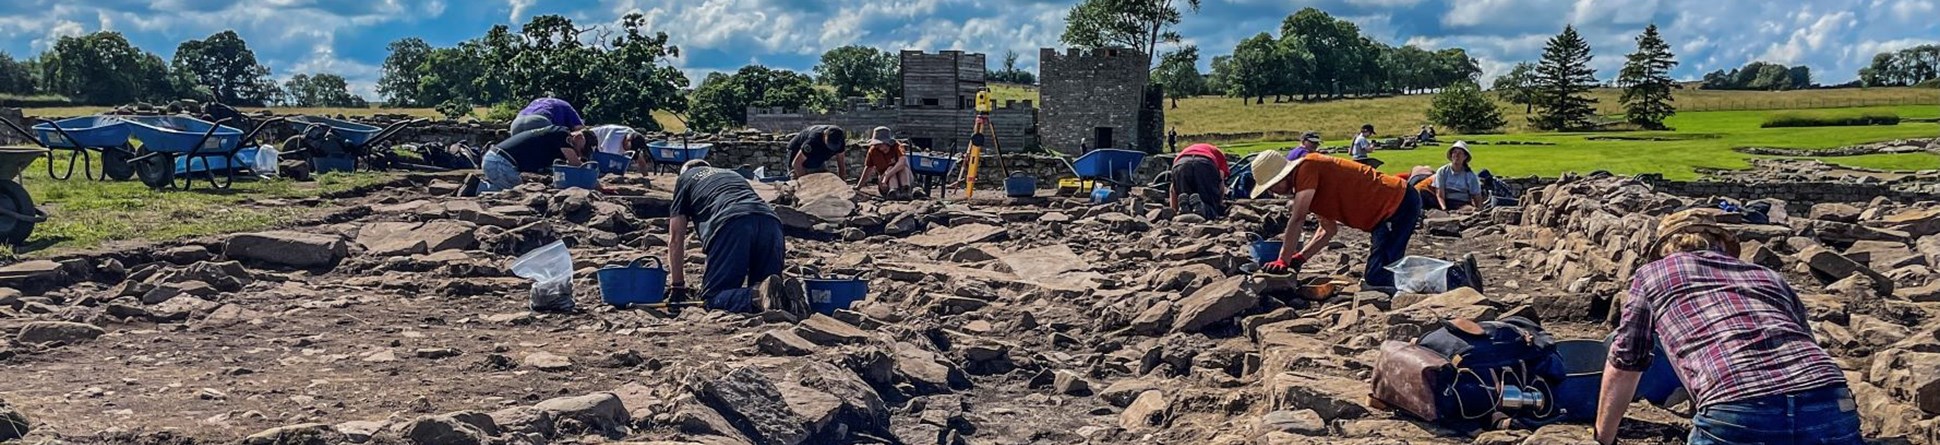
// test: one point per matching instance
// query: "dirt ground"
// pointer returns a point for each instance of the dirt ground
(391, 338)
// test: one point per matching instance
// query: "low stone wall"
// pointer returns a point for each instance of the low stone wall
(1799, 196)
(7, 135)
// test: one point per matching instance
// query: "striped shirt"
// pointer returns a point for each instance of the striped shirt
(1734, 330)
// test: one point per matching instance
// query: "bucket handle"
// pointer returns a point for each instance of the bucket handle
(636, 263)
(1016, 174)
(809, 271)
(1254, 237)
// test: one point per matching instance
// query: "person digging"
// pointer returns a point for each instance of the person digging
(742, 239)
(1737, 336)
(1337, 191)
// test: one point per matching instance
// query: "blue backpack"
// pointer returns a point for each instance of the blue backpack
(1239, 178)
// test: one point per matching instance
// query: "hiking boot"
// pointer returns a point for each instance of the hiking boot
(768, 294)
(1473, 273)
(781, 293)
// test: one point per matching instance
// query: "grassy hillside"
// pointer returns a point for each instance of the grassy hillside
(1703, 139)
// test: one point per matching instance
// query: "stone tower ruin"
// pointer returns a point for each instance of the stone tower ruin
(1095, 99)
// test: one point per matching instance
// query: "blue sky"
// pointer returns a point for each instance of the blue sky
(347, 37)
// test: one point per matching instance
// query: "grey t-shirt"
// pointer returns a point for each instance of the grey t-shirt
(1362, 147)
(710, 196)
(1458, 185)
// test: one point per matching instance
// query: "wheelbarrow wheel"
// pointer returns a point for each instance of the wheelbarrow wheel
(16, 200)
(114, 163)
(157, 171)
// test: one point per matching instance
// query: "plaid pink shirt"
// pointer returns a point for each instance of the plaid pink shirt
(1734, 330)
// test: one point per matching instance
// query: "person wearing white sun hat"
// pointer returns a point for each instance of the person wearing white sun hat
(1337, 191)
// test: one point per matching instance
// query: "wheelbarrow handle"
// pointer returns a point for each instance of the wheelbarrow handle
(259, 129)
(393, 130)
(64, 135)
(27, 134)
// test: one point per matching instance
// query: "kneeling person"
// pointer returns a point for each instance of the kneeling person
(740, 235)
(533, 151)
(1199, 181)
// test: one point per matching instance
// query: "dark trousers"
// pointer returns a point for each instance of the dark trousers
(1815, 416)
(1391, 239)
(740, 254)
(1198, 175)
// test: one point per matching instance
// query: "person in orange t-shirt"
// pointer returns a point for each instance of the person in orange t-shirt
(889, 161)
(1339, 191)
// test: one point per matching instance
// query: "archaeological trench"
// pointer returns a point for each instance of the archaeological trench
(387, 315)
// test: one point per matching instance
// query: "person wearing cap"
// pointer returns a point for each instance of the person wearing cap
(1455, 185)
(810, 150)
(888, 161)
(547, 111)
(1339, 191)
(1309, 143)
(1736, 335)
(1363, 146)
(741, 238)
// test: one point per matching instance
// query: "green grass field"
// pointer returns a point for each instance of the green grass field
(85, 214)
(1702, 139)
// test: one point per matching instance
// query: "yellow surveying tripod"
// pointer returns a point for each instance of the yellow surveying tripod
(978, 137)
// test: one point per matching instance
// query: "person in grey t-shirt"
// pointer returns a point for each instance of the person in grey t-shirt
(1456, 184)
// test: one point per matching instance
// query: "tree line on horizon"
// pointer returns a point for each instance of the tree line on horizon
(103, 68)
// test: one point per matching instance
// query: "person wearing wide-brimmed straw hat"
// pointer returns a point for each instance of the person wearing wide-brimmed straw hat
(1338, 191)
(1736, 334)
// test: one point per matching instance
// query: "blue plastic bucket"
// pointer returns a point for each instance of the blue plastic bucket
(1265, 250)
(827, 294)
(327, 164)
(1020, 185)
(585, 176)
(1576, 396)
(1102, 195)
(642, 281)
(612, 163)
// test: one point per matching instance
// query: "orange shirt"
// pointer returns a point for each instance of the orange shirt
(1349, 192)
(1426, 186)
(883, 157)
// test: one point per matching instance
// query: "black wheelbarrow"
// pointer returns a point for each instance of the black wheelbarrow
(17, 213)
(336, 145)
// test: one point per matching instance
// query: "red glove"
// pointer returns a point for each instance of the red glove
(1285, 265)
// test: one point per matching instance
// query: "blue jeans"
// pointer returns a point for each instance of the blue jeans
(1815, 416)
(1391, 239)
(500, 173)
(741, 253)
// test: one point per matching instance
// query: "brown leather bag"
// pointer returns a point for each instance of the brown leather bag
(1407, 376)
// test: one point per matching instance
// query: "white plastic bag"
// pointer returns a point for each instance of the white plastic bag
(1420, 275)
(265, 163)
(551, 270)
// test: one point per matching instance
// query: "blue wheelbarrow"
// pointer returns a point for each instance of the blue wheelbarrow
(1117, 168)
(81, 137)
(671, 154)
(17, 213)
(162, 139)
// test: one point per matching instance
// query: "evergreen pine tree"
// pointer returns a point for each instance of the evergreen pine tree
(1563, 82)
(1647, 83)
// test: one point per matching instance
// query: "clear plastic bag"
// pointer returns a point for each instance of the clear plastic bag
(265, 162)
(551, 270)
(1420, 275)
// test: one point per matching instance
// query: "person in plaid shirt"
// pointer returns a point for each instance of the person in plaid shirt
(1736, 335)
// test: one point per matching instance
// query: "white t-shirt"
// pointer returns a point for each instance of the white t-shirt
(611, 137)
(1362, 147)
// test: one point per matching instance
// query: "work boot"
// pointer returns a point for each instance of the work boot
(781, 293)
(1191, 204)
(1473, 273)
(767, 294)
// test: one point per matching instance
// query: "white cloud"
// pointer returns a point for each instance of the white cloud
(518, 10)
(1808, 38)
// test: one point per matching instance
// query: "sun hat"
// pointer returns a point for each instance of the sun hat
(1269, 168)
(1311, 136)
(1699, 220)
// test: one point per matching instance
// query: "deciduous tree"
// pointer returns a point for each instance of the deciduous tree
(857, 71)
(1136, 24)
(225, 64)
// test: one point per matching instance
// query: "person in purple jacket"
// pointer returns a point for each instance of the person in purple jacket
(545, 112)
